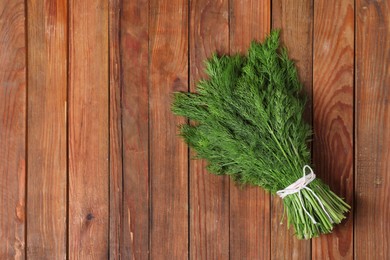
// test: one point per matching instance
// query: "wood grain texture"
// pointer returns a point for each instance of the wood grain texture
(12, 129)
(134, 60)
(85, 122)
(116, 167)
(333, 116)
(209, 194)
(47, 148)
(249, 207)
(169, 154)
(88, 130)
(295, 19)
(372, 222)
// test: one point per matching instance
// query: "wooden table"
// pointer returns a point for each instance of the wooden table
(91, 166)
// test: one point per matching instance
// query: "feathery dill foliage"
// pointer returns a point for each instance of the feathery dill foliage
(248, 124)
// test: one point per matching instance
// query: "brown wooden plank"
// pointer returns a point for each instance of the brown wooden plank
(372, 222)
(295, 19)
(134, 60)
(12, 129)
(249, 207)
(168, 155)
(333, 115)
(209, 194)
(88, 129)
(47, 159)
(115, 118)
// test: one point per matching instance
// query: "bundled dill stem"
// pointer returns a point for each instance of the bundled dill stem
(248, 124)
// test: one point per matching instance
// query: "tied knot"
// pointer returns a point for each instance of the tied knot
(299, 185)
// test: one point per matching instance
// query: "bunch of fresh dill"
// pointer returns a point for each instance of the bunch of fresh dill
(248, 124)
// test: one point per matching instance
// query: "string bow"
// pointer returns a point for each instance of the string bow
(300, 184)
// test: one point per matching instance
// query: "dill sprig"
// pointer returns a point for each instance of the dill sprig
(248, 124)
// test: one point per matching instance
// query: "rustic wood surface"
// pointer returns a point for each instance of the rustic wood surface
(209, 194)
(168, 72)
(333, 95)
(115, 131)
(135, 123)
(249, 207)
(88, 215)
(47, 138)
(372, 130)
(295, 17)
(12, 129)
(91, 165)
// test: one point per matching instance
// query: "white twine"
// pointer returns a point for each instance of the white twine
(300, 184)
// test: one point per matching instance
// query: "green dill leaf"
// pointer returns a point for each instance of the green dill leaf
(247, 123)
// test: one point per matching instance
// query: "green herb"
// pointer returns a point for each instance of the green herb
(248, 124)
